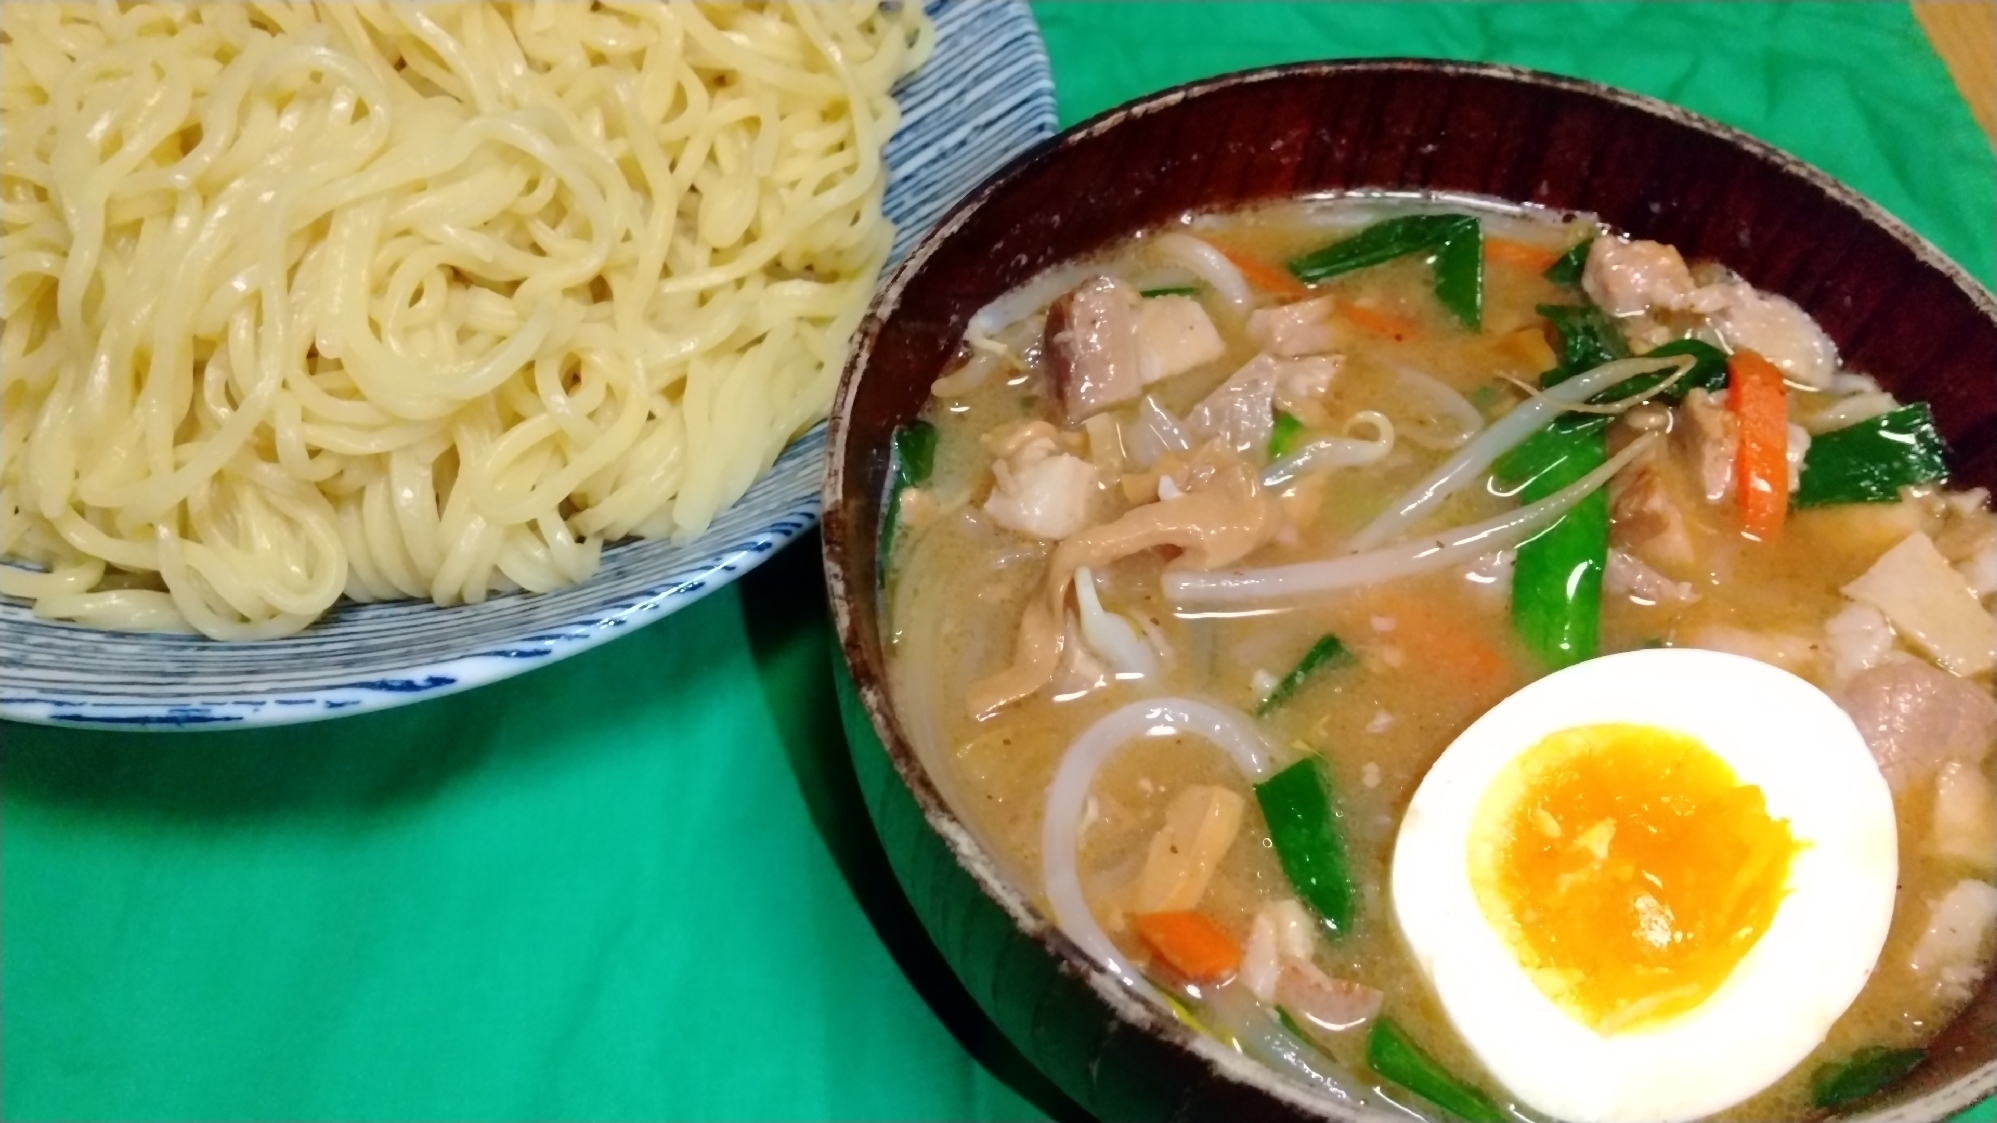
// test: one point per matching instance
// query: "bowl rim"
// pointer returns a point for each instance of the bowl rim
(870, 681)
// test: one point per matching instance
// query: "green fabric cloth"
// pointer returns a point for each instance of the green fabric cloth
(1853, 88)
(611, 889)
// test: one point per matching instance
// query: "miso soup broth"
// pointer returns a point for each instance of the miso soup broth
(1321, 483)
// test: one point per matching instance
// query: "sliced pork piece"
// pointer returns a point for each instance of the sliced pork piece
(1290, 330)
(1963, 827)
(1306, 380)
(1628, 576)
(1174, 335)
(1656, 508)
(1952, 953)
(1279, 935)
(1857, 639)
(1045, 499)
(1092, 349)
(1261, 960)
(1321, 1001)
(1708, 441)
(1040, 490)
(1773, 327)
(1917, 718)
(1629, 278)
(1241, 411)
(1646, 521)
(1154, 434)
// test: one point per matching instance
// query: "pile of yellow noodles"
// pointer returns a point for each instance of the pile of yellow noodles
(414, 300)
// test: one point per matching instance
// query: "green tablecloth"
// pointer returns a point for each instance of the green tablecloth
(613, 888)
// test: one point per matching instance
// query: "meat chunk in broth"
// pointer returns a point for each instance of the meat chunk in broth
(1039, 489)
(1105, 342)
(1709, 442)
(1174, 335)
(1917, 718)
(1953, 952)
(1965, 816)
(1290, 330)
(1092, 349)
(1630, 278)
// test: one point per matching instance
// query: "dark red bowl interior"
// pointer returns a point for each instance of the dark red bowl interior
(1895, 306)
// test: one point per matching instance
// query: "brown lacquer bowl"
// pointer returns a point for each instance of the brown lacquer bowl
(1896, 307)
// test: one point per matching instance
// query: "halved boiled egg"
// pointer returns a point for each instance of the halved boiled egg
(1644, 887)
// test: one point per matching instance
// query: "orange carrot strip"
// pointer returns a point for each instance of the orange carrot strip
(1380, 323)
(1190, 943)
(1760, 404)
(1504, 251)
(1263, 275)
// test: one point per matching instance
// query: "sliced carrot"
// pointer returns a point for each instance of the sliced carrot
(1760, 404)
(1263, 275)
(1384, 324)
(1504, 251)
(1190, 943)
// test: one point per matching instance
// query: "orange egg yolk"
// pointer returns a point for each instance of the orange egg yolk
(1628, 869)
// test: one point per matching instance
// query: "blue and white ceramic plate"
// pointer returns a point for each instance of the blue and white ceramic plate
(985, 94)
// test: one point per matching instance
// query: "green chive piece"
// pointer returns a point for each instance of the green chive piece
(1459, 273)
(911, 457)
(1871, 460)
(1587, 340)
(1396, 1058)
(1708, 373)
(1297, 805)
(1283, 434)
(1865, 1073)
(1326, 650)
(1557, 578)
(1567, 271)
(1456, 242)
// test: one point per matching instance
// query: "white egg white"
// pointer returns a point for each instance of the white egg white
(1777, 732)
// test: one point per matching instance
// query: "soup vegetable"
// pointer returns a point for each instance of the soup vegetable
(1480, 665)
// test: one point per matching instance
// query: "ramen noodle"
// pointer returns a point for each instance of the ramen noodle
(415, 300)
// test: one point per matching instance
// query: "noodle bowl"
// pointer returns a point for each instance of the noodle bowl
(392, 300)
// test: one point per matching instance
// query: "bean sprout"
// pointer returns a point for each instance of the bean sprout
(1247, 587)
(1448, 403)
(1208, 263)
(1327, 453)
(1499, 438)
